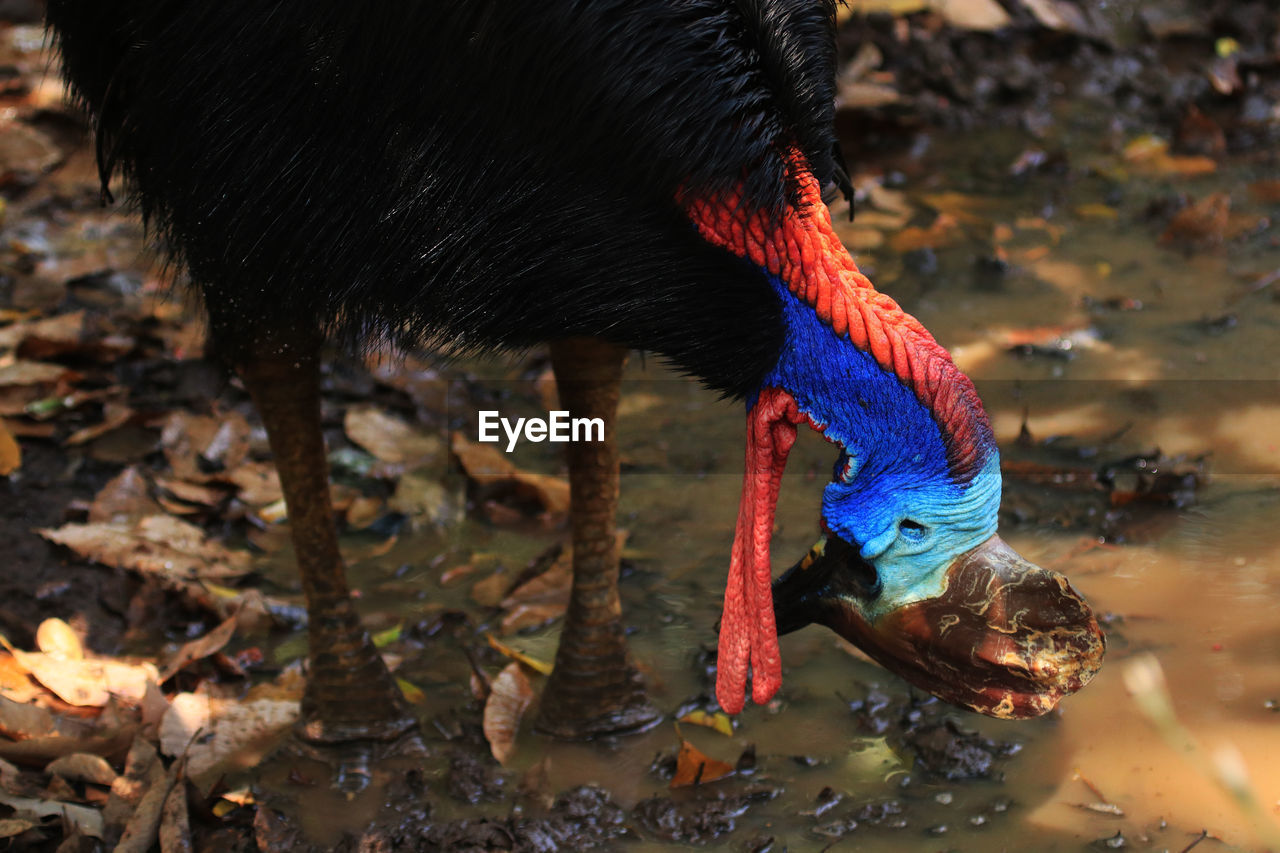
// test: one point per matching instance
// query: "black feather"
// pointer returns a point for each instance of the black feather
(473, 175)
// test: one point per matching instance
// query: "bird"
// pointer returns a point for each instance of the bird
(599, 177)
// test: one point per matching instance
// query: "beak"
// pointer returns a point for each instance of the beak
(1005, 638)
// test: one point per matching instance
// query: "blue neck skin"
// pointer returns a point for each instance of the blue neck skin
(893, 495)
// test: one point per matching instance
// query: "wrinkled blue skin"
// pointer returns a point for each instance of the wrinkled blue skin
(892, 495)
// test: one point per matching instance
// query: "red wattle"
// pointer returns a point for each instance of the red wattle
(748, 635)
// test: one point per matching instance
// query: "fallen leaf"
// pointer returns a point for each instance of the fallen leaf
(695, 767)
(59, 334)
(720, 721)
(227, 728)
(175, 821)
(10, 827)
(509, 697)
(1096, 211)
(201, 448)
(486, 466)
(125, 498)
(1200, 225)
(412, 692)
(985, 15)
(157, 544)
(143, 828)
(942, 233)
(200, 648)
(23, 721)
(24, 373)
(896, 8)
(515, 654)
(57, 639)
(25, 151)
(87, 820)
(963, 208)
(258, 482)
(82, 767)
(89, 683)
(192, 493)
(392, 440)
(364, 511)
(143, 771)
(10, 452)
(1265, 191)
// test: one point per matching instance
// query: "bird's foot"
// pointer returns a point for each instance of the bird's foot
(594, 695)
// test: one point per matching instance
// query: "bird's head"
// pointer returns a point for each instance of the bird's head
(910, 568)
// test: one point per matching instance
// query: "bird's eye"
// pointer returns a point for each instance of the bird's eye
(913, 530)
(846, 468)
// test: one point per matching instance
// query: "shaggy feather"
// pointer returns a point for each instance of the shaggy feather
(462, 175)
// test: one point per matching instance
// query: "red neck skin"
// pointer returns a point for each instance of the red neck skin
(747, 631)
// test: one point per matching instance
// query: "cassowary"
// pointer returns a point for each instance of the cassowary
(601, 176)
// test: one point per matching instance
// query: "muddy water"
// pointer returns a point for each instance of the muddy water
(1165, 344)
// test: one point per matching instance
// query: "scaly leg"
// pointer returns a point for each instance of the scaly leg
(594, 689)
(350, 696)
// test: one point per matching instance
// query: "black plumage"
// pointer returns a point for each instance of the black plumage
(476, 174)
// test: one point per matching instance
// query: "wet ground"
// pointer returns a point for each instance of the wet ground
(1116, 302)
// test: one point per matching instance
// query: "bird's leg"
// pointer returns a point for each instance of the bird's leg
(350, 696)
(594, 688)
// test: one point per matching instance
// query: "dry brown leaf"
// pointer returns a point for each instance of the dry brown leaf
(87, 683)
(143, 828)
(509, 697)
(23, 373)
(364, 511)
(227, 728)
(85, 819)
(143, 771)
(695, 767)
(114, 416)
(983, 15)
(961, 207)
(259, 483)
(884, 7)
(392, 440)
(57, 334)
(540, 599)
(58, 639)
(157, 544)
(83, 767)
(175, 822)
(1200, 225)
(1267, 192)
(125, 498)
(943, 232)
(865, 95)
(486, 465)
(10, 827)
(200, 648)
(10, 452)
(15, 684)
(193, 493)
(201, 448)
(22, 721)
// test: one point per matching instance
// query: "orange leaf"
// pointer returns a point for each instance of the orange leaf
(693, 767)
(10, 453)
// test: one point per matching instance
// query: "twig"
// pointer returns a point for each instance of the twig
(1093, 789)
(1204, 833)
